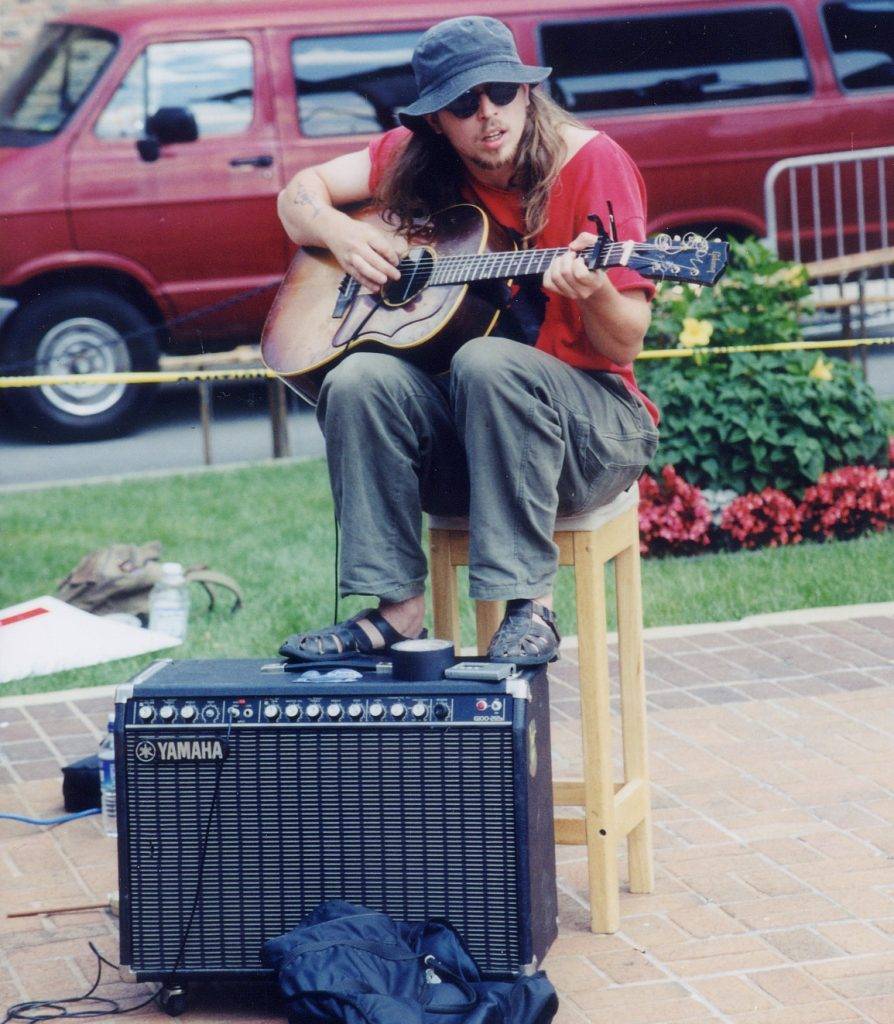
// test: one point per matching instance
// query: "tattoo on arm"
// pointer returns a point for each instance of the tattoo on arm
(305, 198)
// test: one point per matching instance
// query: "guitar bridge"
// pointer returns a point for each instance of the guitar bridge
(347, 292)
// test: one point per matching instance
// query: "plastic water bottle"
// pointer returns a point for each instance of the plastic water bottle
(107, 781)
(169, 601)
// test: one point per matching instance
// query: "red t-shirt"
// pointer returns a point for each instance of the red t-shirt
(600, 171)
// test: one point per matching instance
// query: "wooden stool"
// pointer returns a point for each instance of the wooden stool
(587, 543)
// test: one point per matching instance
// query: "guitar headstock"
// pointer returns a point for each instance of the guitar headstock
(691, 259)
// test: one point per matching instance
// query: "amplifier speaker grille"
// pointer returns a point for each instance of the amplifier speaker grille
(419, 823)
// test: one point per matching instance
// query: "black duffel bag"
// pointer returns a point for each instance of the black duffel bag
(345, 963)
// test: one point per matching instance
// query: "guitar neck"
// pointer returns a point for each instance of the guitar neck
(497, 266)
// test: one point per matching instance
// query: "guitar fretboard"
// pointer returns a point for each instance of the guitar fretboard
(492, 266)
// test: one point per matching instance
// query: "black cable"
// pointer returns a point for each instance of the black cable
(335, 567)
(171, 980)
(104, 1006)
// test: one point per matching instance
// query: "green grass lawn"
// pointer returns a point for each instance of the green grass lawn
(271, 527)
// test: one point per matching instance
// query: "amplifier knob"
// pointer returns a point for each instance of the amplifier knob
(355, 711)
(314, 711)
(376, 710)
(398, 710)
(334, 711)
(293, 712)
(188, 712)
(146, 713)
(167, 713)
(441, 712)
(419, 711)
(271, 712)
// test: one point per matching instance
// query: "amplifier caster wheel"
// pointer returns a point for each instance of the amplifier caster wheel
(172, 1000)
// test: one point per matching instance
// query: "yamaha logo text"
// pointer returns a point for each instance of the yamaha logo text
(163, 751)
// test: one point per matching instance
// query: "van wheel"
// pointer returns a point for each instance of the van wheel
(79, 330)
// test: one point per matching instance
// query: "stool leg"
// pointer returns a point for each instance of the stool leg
(602, 838)
(444, 591)
(488, 616)
(633, 705)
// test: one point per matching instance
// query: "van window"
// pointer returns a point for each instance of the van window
(861, 33)
(351, 85)
(663, 60)
(55, 76)
(211, 78)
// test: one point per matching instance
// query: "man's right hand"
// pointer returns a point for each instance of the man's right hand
(308, 209)
(364, 251)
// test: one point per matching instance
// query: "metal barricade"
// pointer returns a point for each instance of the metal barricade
(833, 211)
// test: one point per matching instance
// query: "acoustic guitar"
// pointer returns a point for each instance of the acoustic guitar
(445, 296)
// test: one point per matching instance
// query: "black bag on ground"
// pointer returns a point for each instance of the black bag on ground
(80, 784)
(345, 963)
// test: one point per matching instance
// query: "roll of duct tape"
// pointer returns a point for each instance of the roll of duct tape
(416, 660)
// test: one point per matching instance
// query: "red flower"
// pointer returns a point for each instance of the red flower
(768, 519)
(673, 515)
(848, 502)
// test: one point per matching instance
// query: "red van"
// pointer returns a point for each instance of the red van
(142, 148)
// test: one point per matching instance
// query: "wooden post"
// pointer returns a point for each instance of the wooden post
(444, 591)
(279, 420)
(205, 414)
(488, 616)
(628, 591)
(602, 836)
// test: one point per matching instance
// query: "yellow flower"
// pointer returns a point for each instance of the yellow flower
(695, 333)
(821, 369)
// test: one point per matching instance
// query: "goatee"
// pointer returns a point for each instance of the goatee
(493, 165)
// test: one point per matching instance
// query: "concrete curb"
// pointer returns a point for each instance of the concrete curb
(155, 474)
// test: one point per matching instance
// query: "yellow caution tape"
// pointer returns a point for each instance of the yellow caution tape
(779, 346)
(185, 377)
(145, 377)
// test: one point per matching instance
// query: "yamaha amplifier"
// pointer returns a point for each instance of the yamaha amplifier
(248, 794)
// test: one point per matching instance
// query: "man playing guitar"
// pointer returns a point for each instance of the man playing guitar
(514, 433)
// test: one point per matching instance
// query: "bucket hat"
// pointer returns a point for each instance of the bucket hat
(458, 54)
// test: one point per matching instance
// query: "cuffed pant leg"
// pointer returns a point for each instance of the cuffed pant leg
(389, 438)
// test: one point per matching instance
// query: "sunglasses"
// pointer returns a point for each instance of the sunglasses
(499, 93)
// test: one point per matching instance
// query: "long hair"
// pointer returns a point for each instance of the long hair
(426, 174)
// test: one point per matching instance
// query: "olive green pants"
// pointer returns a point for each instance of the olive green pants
(511, 437)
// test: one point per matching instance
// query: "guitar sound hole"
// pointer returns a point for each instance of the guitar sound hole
(415, 269)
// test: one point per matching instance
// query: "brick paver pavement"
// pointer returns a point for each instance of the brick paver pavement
(773, 795)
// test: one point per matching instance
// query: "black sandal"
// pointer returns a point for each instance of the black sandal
(344, 640)
(522, 640)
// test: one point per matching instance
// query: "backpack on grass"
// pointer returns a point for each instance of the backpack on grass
(119, 578)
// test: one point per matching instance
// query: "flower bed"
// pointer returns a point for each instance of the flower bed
(675, 517)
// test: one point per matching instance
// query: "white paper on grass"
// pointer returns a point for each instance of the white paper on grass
(46, 635)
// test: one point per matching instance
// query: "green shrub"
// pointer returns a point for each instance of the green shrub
(758, 420)
(752, 420)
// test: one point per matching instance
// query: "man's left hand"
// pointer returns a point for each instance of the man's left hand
(568, 274)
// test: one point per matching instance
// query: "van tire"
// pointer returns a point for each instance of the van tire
(78, 330)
